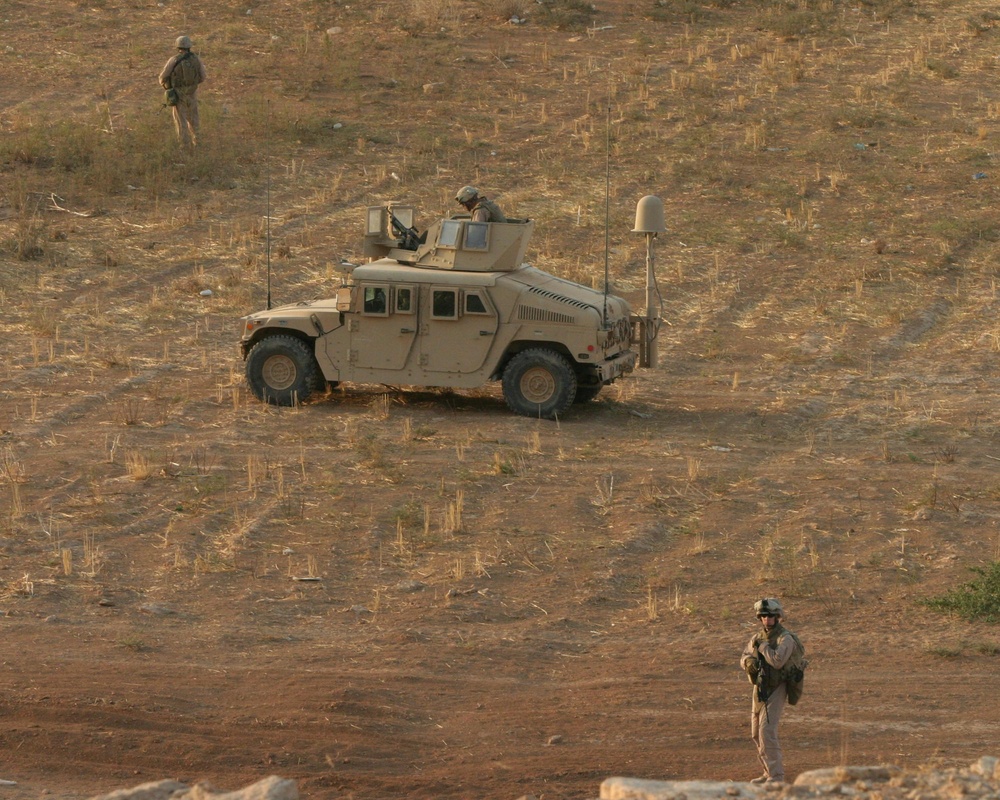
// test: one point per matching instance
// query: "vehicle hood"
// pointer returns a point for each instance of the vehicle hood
(303, 309)
(573, 295)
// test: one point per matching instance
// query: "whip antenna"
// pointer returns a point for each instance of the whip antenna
(267, 219)
(607, 204)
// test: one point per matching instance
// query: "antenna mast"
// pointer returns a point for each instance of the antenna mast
(607, 203)
(267, 219)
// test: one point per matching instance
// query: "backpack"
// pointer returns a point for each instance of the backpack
(185, 72)
(794, 672)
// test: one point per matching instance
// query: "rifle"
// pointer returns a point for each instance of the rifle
(763, 675)
(409, 237)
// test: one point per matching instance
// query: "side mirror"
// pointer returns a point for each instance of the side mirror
(344, 298)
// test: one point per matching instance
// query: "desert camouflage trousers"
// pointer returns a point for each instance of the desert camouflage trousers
(186, 118)
(764, 721)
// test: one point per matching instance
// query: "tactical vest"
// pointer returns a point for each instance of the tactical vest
(792, 673)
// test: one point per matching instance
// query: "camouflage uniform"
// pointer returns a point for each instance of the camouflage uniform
(184, 76)
(775, 646)
(482, 209)
(485, 210)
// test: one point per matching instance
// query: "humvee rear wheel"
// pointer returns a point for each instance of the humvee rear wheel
(282, 370)
(539, 383)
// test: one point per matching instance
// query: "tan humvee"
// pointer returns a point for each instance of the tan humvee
(452, 307)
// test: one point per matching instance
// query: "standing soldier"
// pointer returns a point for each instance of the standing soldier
(773, 660)
(482, 208)
(182, 73)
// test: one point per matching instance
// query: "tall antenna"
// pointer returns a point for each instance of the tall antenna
(267, 219)
(607, 204)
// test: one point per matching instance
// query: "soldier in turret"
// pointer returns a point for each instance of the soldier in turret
(482, 208)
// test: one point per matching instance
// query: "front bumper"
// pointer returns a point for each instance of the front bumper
(616, 367)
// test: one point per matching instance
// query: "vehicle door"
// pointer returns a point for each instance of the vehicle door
(384, 326)
(459, 326)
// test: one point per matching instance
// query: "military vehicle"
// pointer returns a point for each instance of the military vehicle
(453, 306)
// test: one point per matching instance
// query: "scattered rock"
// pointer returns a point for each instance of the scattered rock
(156, 610)
(270, 788)
(635, 789)
(986, 766)
(836, 775)
(410, 586)
(157, 790)
(454, 592)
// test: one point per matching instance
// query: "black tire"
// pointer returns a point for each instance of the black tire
(539, 383)
(584, 394)
(282, 370)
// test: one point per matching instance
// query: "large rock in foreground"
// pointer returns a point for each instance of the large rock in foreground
(270, 788)
(980, 780)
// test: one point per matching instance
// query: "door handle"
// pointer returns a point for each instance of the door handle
(407, 330)
(485, 333)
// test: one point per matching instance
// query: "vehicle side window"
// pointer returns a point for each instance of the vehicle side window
(477, 235)
(404, 300)
(444, 304)
(450, 230)
(375, 300)
(474, 304)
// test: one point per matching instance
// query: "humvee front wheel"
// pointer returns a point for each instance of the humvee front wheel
(539, 383)
(282, 370)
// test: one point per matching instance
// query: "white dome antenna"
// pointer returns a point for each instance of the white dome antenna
(649, 221)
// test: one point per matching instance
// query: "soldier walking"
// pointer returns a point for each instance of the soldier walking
(183, 72)
(773, 662)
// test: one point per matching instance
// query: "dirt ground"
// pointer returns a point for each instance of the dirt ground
(393, 592)
(548, 644)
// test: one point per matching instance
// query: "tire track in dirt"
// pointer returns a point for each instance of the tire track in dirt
(75, 410)
(913, 330)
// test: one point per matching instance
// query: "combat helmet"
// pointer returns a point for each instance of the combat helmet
(768, 607)
(465, 194)
(183, 43)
